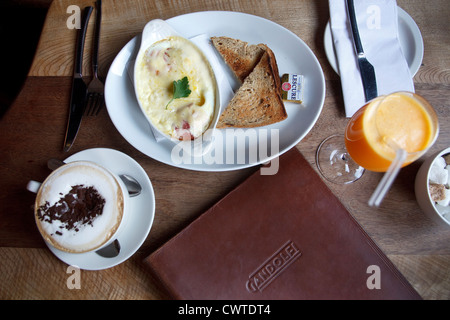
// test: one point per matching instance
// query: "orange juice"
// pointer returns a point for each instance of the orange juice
(401, 119)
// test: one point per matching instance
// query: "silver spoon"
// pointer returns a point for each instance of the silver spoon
(134, 189)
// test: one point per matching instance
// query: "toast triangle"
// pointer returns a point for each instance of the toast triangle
(258, 101)
(240, 57)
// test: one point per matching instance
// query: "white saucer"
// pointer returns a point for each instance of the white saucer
(141, 219)
(409, 35)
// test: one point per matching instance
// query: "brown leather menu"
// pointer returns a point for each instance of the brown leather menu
(282, 236)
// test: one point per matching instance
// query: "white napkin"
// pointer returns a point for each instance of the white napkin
(378, 29)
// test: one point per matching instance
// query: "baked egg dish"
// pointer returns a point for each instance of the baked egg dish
(176, 88)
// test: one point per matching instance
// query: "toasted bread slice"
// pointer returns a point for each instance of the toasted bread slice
(258, 101)
(238, 55)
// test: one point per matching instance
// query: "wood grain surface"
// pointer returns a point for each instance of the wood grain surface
(33, 131)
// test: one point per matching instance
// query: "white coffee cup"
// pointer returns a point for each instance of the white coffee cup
(80, 207)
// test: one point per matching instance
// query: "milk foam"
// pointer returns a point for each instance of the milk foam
(88, 236)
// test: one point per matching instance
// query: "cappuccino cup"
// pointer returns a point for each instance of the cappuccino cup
(80, 207)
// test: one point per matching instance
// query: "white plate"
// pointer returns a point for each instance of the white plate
(141, 218)
(293, 56)
(409, 36)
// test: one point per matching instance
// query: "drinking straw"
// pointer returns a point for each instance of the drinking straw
(388, 178)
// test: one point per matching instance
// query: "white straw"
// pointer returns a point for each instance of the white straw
(389, 177)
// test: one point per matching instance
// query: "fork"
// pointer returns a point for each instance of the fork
(96, 88)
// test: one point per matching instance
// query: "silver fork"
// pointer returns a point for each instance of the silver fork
(96, 88)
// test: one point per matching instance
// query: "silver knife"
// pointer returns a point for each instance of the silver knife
(79, 89)
(365, 68)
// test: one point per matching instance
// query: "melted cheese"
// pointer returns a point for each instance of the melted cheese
(163, 63)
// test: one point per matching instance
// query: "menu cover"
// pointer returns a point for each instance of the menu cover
(283, 236)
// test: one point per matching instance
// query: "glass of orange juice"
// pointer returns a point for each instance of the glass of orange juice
(401, 120)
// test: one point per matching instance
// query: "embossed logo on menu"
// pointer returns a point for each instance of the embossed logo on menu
(273, 267)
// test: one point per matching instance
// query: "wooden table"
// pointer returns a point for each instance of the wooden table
(33, 131)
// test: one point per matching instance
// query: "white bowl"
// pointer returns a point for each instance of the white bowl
(422, 190)
(154, 31)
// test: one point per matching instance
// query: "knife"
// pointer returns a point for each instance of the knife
(365, 68)
(79, 89)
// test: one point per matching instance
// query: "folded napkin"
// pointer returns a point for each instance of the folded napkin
(378, 29)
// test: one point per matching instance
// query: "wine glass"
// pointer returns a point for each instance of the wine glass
(387, 133)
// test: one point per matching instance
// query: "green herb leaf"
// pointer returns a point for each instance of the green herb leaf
(180, 89)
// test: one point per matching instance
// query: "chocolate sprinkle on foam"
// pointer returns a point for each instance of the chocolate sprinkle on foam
(77, 208)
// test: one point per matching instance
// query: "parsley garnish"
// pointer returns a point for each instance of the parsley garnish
(180, 89)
